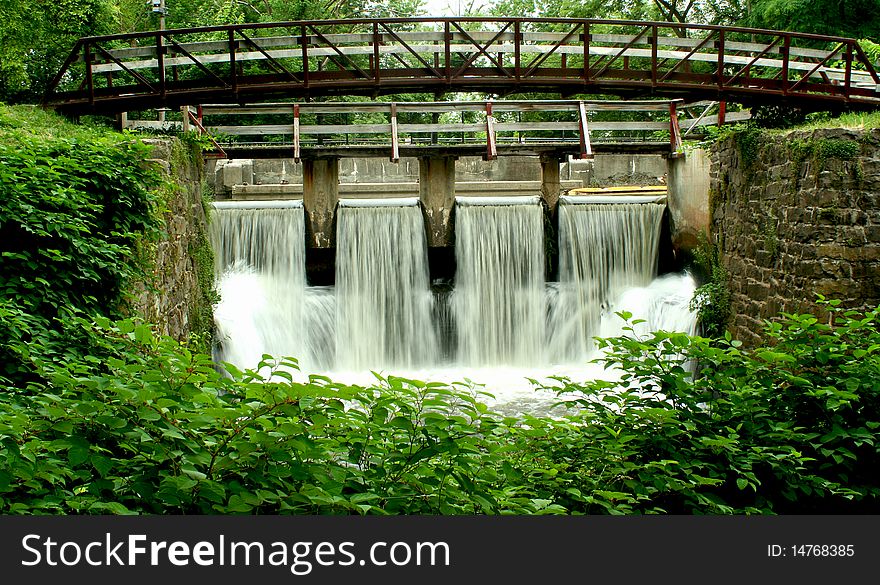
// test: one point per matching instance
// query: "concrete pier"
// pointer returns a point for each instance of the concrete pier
(320, 195)
(688, 198)
(437, 194)
(551, 184)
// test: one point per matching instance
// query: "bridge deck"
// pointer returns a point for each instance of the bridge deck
(557, 150)
(247, 63)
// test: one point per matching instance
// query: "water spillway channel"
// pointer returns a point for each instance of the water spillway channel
(383, 292)
(500, 323)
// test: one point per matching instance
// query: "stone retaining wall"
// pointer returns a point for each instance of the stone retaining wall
(179, 292)
(796, 215)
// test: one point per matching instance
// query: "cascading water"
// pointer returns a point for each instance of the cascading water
(662, 305)
(498, 325)
(383, 294)
(319, 328)
(606, 246)
(259, 252)
(498, 301)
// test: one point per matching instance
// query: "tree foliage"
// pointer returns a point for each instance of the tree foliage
(848, 18)
(35, 38)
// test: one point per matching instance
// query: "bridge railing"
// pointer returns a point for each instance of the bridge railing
(338, 125)
(500, 56)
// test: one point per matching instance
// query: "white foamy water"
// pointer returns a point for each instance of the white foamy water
(604, 250)
(500, 326)
(383, 295)
(498, 301)
(260, 259)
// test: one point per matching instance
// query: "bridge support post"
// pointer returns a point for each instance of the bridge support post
(320, 195)
(551, 184)
(437, 194)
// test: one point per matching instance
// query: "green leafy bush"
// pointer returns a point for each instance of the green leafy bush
(699, 425)
(159, 429)
(73, 203)
(711, 299)
(693, 425)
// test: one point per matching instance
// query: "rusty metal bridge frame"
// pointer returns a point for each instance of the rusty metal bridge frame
(499, 56)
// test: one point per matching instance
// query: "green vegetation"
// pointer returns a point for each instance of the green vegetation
(711, 300)
(847, 18)
(824, 149)
(852, 120)
(74, 202)
(148, 426)
(747, 138)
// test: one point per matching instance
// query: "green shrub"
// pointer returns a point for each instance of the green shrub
(791, 428)
(693, 425)
(711, 299)
(161, 430)
(73, 203)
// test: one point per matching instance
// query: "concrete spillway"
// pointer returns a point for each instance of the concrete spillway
(498, 323)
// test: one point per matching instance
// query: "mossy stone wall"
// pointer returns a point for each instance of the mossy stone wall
(179, 293)
(796, 215)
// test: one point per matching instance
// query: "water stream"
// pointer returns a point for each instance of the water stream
(383, 292)
(499, 324)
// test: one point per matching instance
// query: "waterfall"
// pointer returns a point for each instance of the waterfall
(319, 329)
(383, 296)
(260, 261)
(663, 305)
(605, 248)
(498, 301)
(499, 323)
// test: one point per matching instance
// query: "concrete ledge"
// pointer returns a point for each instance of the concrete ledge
(488, 188)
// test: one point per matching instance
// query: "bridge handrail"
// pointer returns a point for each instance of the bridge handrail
(470, 19)
(579, 126)
(741, 68)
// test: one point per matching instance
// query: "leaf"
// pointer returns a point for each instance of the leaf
(102, 464)
(78, 454)
(212, 491)
(193, 473)
(5, 480)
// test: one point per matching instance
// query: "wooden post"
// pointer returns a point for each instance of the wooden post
(786, 57)
(296, 151)
(491, 150)
(395, 147)
(674, 130)
(583, 123)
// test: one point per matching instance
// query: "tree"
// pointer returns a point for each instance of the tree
(849, 18)
(35, 38)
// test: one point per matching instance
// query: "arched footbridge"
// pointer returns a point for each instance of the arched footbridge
(501, 56)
